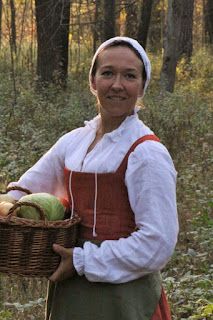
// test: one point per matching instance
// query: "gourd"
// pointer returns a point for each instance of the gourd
(6, 198)
(51, 205)
(5, 208)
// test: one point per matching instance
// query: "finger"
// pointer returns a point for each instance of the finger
(63, 271)
(65, 268)
(59, 249)
(63, 252)
(56, 275)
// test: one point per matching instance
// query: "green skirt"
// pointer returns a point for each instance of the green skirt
(79, 299)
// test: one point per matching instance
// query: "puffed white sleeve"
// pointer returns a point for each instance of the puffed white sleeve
(151, 183)
(47, 174)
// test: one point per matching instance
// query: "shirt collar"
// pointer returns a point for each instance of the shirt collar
(117, 133)
(94, 123)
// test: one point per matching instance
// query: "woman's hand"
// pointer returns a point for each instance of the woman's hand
(66, 268)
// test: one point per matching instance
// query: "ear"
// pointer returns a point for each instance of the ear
(140, 94)
(93, 83)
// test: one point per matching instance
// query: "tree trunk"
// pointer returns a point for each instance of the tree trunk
(109, 19)
(13, 26)
(97, 25)
(208, 20)
(144, 22)
(171, 47)
(131, 26)
(157, 23)
(0, 21)
(185, 38)
(22, 24)
(52, 19)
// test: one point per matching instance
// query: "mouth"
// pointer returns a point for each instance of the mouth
(116, 98)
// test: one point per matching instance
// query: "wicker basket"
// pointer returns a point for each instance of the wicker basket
(26, 245)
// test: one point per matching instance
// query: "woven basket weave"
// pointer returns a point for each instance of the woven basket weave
(26, 245)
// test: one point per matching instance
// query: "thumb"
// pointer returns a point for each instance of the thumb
(65, 268)
(60, 250)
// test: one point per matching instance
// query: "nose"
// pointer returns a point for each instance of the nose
(117, 83)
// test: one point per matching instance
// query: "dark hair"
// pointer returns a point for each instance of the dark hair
(122, 43)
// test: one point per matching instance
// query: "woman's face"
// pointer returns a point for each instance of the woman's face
(118, 81)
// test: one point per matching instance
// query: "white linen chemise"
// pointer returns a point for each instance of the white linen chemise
(151, 182)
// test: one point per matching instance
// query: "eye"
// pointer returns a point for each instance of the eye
(130, 75)
(107, 73)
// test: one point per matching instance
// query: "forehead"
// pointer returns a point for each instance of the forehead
(119, 56)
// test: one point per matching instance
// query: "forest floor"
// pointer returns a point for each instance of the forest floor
(187, 280)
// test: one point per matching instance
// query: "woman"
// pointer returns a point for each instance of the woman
(121, 180)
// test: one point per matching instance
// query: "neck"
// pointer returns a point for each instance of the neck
(108, 125)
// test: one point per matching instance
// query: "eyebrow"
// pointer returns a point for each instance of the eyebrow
(112, 67)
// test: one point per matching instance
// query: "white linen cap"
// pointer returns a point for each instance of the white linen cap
(135, 44)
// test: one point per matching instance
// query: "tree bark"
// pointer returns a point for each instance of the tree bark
(97, 25)
(144, 22)
(13, 26)
(171, 47)
(0, 22)
(109, 19)
(52, 20)
(208, 20)
(185, 38)
(157, 23)
(131, 26)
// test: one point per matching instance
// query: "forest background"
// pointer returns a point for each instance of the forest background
(45, 52)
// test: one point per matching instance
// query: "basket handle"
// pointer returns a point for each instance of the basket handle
(19, 189)
(29, 204)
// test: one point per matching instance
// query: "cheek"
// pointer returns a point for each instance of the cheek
(102, 86)
(134, 91)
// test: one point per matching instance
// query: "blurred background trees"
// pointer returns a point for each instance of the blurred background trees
(55, 37)
(208, 20)
(177, 39)
(52, 21)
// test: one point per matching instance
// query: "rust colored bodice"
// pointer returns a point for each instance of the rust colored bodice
(114, 216)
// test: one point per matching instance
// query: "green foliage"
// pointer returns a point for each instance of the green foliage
(6, 315)
(32, 119)
(188, 276)
(198, 75)
(27, 126)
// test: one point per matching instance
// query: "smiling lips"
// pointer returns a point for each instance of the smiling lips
(116, 98)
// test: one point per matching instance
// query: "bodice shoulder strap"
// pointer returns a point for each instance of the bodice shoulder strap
(122, 168)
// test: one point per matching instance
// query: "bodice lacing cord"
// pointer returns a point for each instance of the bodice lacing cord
(95, 206)
(71, 195)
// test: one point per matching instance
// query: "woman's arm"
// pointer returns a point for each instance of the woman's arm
(151, 184)
(47, 175)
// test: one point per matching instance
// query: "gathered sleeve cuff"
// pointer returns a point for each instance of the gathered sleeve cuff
(78, 260)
